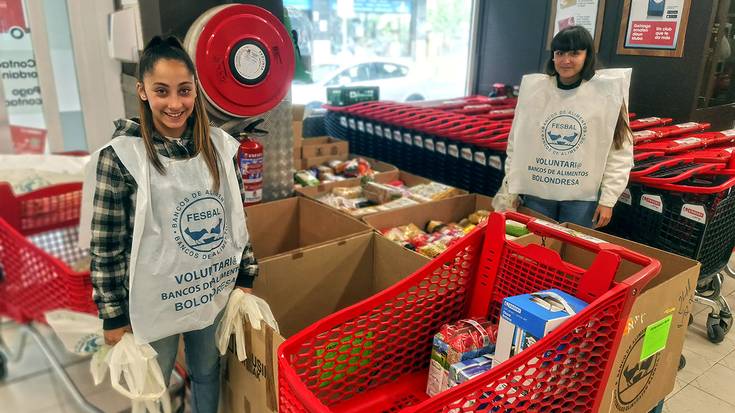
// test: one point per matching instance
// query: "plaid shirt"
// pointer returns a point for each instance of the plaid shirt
(113, 219)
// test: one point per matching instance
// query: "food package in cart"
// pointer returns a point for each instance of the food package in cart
(527, 318)
(463, 340)
(464, 370)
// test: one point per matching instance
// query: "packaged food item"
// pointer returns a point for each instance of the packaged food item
(380, 193)
(464, 370)
(479, 216)
(527, 318)
(306, 178)
(515, 228)
(433, 226)
(432, 191)
(348, 192)
(403, 233)
(329, 177)
(463, 340)
(364, 211)
(398, 203)
(334, 164)
(432, 250)
(322, 170)
(469, 228)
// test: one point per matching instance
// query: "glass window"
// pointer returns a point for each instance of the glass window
(410, 49)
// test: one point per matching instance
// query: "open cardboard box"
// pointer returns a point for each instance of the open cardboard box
(302, 288)
(323, 146)
(635, 385)
(379, 167)
(446, 210)
(294, 224)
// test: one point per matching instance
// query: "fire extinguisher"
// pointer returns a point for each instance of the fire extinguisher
(250, 159)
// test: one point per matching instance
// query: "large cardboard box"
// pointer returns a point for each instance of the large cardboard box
(446, 210)
(635, 385)
(302, 288)
(293, 224)
(323, 146)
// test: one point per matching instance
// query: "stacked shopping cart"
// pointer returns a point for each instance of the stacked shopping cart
(459, 142)
(680, 199)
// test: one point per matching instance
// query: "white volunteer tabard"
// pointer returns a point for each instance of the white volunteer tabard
(561, 138)
(187, 240)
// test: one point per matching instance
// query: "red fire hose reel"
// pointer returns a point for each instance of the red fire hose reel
(244, 58)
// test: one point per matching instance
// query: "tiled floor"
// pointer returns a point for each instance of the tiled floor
(704, 385)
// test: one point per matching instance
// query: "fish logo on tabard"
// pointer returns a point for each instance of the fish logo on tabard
(563, 132)
(199, 224)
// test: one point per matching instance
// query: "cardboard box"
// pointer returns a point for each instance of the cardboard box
(635, 385)
(446, 210)
(302, 288)
(307, 163)
(314, 192)
(527, 318)
(323, 146)
(293, 224)
(377, 166)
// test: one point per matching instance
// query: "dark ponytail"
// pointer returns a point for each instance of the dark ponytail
(170, 48)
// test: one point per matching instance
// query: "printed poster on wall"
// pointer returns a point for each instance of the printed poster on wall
(656, 25)
(576, 13)
(22, 93)
(585, 13)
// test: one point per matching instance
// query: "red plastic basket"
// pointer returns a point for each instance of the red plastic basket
(32, 281)
(374, 356)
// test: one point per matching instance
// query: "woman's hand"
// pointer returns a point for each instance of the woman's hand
(246, 290)
(112, 337)
(602, 216)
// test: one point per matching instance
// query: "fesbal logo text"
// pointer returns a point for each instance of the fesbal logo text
(563, 132)
(199, 224)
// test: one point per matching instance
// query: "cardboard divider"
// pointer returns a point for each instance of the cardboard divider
(293, 224)
(637, 385)
(302, 289)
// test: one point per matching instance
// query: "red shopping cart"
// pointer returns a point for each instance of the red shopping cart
(374, 356)
(39, 232)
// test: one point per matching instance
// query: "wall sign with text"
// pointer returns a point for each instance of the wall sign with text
(585, 13)
(654, 27)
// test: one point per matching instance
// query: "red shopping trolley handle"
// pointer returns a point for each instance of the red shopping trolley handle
(652, 164)
(677, 187)
(674, 176)
(593, 284)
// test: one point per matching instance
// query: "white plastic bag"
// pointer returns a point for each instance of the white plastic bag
(504, 200)
(239, 306)
(134, 373)
(80, 333)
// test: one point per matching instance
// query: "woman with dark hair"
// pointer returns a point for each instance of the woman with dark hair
(570, 149)
(168, 238)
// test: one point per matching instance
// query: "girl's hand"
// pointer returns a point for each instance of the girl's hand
(112, 337)
(602, 216)
(246, 290)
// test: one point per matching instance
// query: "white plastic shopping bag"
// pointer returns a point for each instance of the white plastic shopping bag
(239, 306)
(134, 373)
(80, 333)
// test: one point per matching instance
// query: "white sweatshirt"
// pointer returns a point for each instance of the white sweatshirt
(552, 170)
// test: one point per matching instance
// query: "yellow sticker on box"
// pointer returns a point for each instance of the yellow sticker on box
(657, 334)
